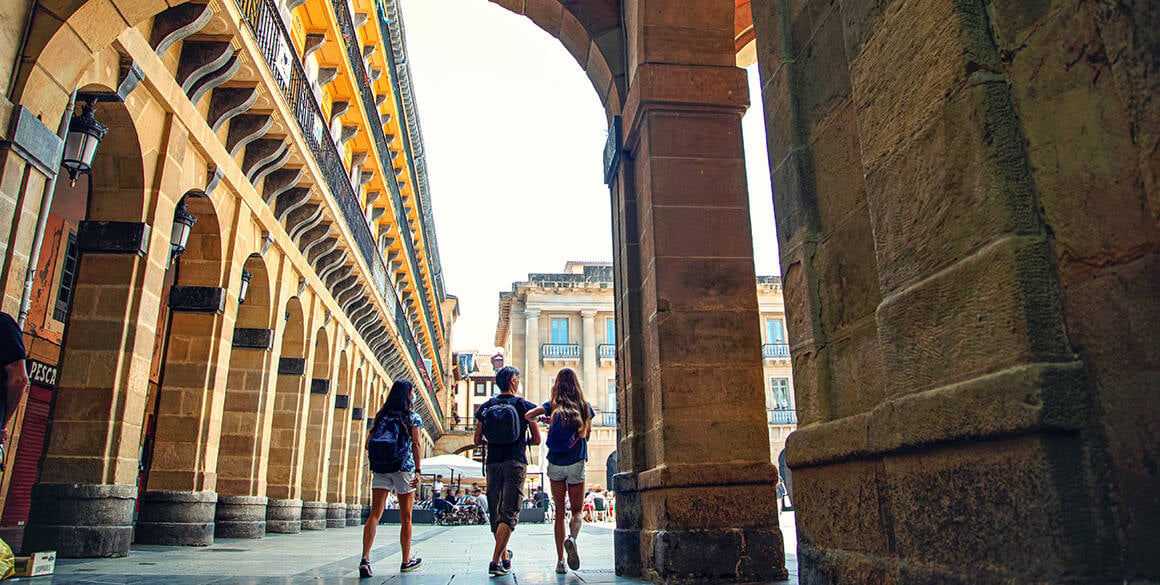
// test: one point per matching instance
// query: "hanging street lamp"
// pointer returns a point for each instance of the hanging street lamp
(84, 135)
(247, 276)
(183, 222)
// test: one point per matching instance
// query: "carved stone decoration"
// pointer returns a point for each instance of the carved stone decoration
(338, 274)
(308, 222)
(326, 75)
(367, 51)
(314, 41)
(227, 102)
(199, 59)
(375, 74)
(260, 153)
(377, 212)
(347, 133)
(177, 24)
(279, 182)
(360, 19)
(300, 215)
(343, 286)
(331, 263)
(290, 200)
(385, 119)
(320, 249)
(358, 157)
(313, 236)
(338, 108)
(214, 79)
(364, 178)
(245, 129)
(131, 75)
(373, 196)
(213, 178)
(272, 166)
(380, 99)
(346, 299)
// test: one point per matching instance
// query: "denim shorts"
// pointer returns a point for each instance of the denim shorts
(572, 474)
(398, 482)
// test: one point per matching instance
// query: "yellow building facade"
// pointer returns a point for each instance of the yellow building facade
(219, 306)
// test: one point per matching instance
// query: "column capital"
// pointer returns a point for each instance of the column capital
(532, 313)
(588, 314)
(683, 88)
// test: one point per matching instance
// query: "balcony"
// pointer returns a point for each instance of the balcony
(606, 351)
(775, 351)
(781, 416)
(605, 419)
(560, 351)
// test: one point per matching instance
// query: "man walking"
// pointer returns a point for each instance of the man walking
(501, 422)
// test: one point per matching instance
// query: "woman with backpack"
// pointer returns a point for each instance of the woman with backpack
(569, 419)
(394, 451)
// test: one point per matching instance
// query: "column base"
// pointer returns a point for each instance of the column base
(353, 514)
(335, 515)
(176, 518)
(284, 516)
(314, 515)
(366, 514)
(81, 520)
(240, 517)
(735, 555)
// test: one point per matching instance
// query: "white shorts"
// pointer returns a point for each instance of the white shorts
(398, 482)
(572, 474)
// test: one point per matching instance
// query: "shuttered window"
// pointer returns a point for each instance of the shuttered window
(68, 273)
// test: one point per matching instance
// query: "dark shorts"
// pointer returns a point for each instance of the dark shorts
(505, 492)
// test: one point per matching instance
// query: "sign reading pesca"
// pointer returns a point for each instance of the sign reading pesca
(42, 374)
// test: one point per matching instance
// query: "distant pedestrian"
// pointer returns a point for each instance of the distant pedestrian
(501, 422)
(570, 422)
(13, 374)
(394, 451)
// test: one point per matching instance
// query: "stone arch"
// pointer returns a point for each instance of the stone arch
(288, 430)
(356, 453)
(242, 459)
(314, 466)
(336, 490)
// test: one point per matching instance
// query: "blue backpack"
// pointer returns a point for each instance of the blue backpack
(389, 444)
(501, 422)
(561, 436)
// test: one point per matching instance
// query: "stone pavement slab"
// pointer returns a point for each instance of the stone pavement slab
(451, 555)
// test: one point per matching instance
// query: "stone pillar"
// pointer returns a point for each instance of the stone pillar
(83, 503)
(588, 361)
(284, 516)
(176, 518)
(335, 515)
(685, 170)
(240, 517)
(531, 376)
(314, 515)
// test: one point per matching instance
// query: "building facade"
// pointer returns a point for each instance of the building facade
(553, 321)
(215, 301)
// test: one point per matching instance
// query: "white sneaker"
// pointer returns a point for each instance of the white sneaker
(573, 556)
(560, 567)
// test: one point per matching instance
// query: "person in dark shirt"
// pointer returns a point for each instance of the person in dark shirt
(506, 467)
(13, 373)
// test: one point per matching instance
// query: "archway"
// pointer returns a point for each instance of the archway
(288, 433)
(242, 458)
(336, 487)
(314, 462)
(357, 474)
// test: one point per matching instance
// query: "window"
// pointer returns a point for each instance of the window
(612, 395)
(68, 275)
(775, 331)
(481, 388)
(560, 331)
(610, 331)
(780, 399)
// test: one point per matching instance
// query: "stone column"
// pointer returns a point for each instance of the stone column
(531, 376)
(588, 361)
(699, 336)
(82, 505)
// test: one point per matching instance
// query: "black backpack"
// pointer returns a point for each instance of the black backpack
(501, 422)
(389, 444)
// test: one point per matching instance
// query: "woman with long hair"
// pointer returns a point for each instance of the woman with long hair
(569, 419)
(399, 436)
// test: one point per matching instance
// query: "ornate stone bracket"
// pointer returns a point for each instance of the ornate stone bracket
(177, 24)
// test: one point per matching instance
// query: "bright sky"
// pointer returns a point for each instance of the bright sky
(514, 137)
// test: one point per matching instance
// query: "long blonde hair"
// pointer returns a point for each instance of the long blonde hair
(568, 404)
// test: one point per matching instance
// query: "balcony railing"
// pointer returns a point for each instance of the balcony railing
(606, 351)
(274, 41)
(775, 351)
(560, 351)
(358, 65)
(781, 416)
(606, 419)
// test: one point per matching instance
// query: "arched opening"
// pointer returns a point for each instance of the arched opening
(336, 486)
(288, 431)
(358, 472)
(314, 461)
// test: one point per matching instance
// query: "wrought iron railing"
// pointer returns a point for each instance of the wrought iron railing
(560, 351)
(606, 351)
(775, 350)
(782, 416)
(274, 41)
(358, 65)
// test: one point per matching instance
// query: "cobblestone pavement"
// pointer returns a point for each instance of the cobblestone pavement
(456, 554)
